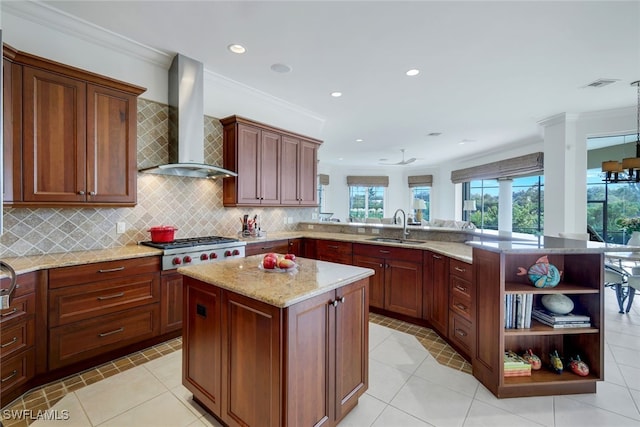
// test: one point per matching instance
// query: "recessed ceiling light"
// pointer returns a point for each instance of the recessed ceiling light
(336, 94)
(359, 140)
(413, 72)
(236, 48)
(281, 68)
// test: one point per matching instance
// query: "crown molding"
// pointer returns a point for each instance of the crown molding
(47, 16)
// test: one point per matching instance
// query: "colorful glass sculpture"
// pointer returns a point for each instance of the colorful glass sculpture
(542, 273)
(556, 362)
(532, 360)
(578, 367)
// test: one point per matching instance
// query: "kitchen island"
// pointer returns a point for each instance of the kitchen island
(276, 348)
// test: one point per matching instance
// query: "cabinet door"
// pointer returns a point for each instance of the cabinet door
(295, 247)
(54, 136)
(307, 178)
(171, 303)
(248, 180)
(351, 346)
(436, 291)
(270, 168)
(376, 282)
(403, 287)
(290, 171)
(111, 146)
(12, 131)
(202, 350)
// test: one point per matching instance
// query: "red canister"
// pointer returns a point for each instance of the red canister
(162, 233)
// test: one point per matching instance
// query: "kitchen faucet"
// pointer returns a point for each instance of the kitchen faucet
(405, 232)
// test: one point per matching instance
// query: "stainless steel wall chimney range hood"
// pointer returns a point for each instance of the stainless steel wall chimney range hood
(186, 123)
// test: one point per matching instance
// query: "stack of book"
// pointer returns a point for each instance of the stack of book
(555, 320)
(517, 311)
(515, 366)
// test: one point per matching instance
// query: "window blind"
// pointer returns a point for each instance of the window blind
(528, 164)
(324, 179)
(368, 181)
(420, 181)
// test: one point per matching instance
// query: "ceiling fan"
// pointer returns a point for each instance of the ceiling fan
(403, 161)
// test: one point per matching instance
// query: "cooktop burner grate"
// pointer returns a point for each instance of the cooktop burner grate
(190, 242)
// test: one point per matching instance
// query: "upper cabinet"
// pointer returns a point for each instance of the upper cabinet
(75, 141)
(274, 167)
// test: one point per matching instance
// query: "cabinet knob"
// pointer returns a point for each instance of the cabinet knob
(81, 193)
(334, 302)
(92, 193)
(341, 300)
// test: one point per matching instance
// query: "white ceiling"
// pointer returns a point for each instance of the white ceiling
(488, 70)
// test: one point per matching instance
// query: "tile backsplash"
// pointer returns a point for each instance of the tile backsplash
(194, 206)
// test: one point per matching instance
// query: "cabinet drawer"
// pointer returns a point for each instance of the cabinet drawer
(461, 305)
(333, 246)
(81, 340)
(388, 252)
(20, 307)
(460, 332)
(461, 269)
(68, 276)
(26, 284)
(461, 287)
(16, 338)
(17, 370)
(277, 246)
(74, 303)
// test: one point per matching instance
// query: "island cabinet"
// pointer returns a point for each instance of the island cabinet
(581, 280)
(275, 167)
(75, 144)
(251, 362)
(22, 336)
(461, 306)
(435, 296)
(397, 284)
(170, 301)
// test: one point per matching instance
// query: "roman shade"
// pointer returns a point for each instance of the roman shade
(368, 181)
(323, 179)
(529, 164)
(420, 181)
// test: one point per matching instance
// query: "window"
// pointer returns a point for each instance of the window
(422, 193)
(366, 202)
(606, 203)
(485, 193)
(321, 199)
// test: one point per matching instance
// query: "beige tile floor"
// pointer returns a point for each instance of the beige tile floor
(409, 386)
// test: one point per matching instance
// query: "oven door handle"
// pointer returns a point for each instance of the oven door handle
(7, 294)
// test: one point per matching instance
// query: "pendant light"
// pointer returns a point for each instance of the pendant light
(629, 169)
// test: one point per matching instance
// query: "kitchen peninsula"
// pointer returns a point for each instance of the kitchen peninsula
(276, 348)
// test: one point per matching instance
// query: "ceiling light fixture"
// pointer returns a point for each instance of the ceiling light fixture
(629, 169)
(359, 140)
(336, 94)
(236, 48)
(281, 68)
(413, 72)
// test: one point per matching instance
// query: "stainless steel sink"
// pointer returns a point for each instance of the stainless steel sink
(390, 240)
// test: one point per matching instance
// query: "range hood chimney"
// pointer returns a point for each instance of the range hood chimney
(186, 123)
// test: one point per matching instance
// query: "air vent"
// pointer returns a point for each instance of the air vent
(601, 82)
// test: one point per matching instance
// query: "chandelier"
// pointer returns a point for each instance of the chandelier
(629, 169)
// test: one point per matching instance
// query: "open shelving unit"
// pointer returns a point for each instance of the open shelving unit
(496, 277)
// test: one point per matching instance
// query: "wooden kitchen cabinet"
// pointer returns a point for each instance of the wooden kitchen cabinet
(263, 247)
(334, 251)
(264, 156)
(12, 125)
(96, 308)
(461, 307)
(77, 145)
(435, 294)
(170, 301)
(22, 336)
(299, 172)
(397, 283)
(248, 362)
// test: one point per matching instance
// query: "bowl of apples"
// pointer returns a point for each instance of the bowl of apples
(274, 263)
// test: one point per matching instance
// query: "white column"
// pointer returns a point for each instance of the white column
(505, 205)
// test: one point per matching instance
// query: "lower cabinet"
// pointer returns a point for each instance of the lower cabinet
(461, 308)
(334, 251)
(170, 301)
(249, 362)
(435, 295)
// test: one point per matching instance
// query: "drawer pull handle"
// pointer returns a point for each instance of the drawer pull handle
(341, 300)
(461, 270)
(9, 313)
(461, 307)
(461, 332)
(332, 246)
(384, 252)
(106, 334)
(111, 270)
(11, 375)
(119, 294)
(437, 256)
(7, 344)
(461, 288)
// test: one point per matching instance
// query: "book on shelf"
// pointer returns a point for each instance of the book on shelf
(515, 366)
(557, 325)
(555, 317)
(517, 310)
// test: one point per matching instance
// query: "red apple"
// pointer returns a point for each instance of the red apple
(286, 264)
(269, 262)
(271, 255)
(292, 257)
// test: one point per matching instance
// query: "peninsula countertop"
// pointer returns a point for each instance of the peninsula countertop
(280, 289)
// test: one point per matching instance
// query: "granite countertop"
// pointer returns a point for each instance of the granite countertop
(550, 245)
(26, 264)
(245, 277)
